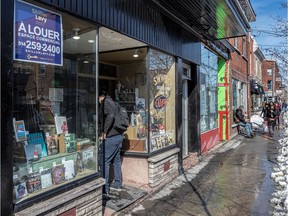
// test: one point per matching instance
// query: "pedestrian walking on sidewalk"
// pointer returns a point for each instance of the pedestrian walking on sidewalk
(265, 107)
(284, 106)
(112, 142)
(278, 112)
(271, 116)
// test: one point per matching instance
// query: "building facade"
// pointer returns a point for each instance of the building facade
(257, 82)
(272, 79)
(159, 61)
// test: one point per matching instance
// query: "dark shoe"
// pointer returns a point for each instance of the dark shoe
(106, 196)
(113, 187)
(249, 136)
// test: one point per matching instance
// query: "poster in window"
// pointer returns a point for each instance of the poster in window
(20, 190)
(19, 129)
(38, 35)
(37, 139)
(46, 178)
(140, 103)
(58, 174)
(61, 125)
(69, 169)
(33, 182)
(52, 144)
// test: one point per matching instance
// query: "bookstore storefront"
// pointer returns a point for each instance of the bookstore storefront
(54, 111)
(59, 64)
(55, 57)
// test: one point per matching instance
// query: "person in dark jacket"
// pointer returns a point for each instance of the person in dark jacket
(264, 110)
(271, 116)
(284, 106)
(277, 110)
(240, 119)
(112, 142)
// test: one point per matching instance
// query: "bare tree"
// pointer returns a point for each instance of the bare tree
(280, 30)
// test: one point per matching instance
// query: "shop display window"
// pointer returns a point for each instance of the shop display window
(54, 116)
(162, 100)
(139, 94)
(208, 90)
(123, 76)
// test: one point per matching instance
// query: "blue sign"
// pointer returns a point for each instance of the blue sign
(37, 35)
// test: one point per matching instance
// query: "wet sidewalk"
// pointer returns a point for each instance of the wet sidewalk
(232, 180)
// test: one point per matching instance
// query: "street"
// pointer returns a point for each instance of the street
(232, 180)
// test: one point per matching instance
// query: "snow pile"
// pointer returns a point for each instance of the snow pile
(258, 122)
(285, 119)
(280, 176)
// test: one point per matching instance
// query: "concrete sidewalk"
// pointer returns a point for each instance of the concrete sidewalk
(119, 203)
(232, 180)
(190, 173)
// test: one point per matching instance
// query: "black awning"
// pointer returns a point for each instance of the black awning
(213, 19)
(254, 88)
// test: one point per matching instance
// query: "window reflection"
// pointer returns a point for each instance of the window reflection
(162, 99)
(208, 90)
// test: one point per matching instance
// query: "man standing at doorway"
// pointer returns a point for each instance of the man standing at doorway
(112, 142)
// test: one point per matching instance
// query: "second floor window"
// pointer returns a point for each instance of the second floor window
(269, 84)
(269, 72)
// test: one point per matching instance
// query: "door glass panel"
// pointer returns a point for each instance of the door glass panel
(162, 100)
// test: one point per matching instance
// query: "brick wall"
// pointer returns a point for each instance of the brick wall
(239, 63)
(239, 60)
(163, 167)
(270, 64)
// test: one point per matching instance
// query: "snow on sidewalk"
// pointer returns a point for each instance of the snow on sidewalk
(280, 175)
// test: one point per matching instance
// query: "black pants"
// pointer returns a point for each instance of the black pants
(278, 120)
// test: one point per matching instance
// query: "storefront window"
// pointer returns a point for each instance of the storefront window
(162, 100)
(54, 113)
(123, 76)
(208, 90)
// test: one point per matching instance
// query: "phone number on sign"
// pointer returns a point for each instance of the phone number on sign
(33, 45)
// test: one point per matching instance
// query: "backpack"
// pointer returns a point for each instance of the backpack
(121, 119)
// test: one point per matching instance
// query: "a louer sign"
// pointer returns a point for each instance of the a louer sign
(37, 34)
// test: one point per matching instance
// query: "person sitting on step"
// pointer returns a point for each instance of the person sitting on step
(240, 120)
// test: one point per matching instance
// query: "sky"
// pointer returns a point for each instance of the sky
(265, 11)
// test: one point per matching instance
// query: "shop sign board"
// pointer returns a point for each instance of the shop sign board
(38, 35)
(160, 102)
